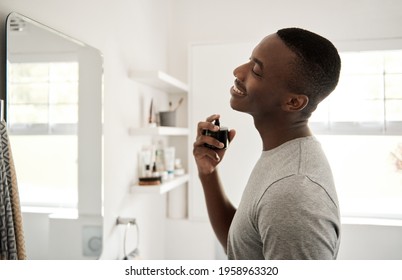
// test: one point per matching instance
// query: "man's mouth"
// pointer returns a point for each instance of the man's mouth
(237, 90)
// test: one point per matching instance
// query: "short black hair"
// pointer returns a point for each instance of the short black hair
(317, 67)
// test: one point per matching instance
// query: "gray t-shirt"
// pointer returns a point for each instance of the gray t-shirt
(289, 208)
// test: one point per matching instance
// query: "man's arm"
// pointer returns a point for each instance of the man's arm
(220, 210)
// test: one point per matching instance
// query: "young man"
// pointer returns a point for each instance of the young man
(289, 208)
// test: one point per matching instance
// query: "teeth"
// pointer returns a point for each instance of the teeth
(238, 90)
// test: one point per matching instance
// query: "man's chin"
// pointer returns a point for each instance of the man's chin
(235, 106)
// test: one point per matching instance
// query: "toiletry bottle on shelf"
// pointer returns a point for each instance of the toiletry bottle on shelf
(145, 158)
(169, 153)
(178, 167)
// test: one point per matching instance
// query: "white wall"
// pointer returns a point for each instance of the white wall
(225, 22)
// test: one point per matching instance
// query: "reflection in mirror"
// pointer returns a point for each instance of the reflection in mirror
(54, 117)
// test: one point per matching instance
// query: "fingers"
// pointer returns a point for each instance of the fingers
(213, 117)
(203, 126)
(204, 139)
(207, 124)
(201, 152)
(208, 151)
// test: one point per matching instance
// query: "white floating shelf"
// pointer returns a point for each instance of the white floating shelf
(162, 188)
(159, 130)
(159, 80)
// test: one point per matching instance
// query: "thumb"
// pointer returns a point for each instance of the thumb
(232, 134)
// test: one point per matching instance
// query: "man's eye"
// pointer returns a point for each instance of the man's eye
(256, 72)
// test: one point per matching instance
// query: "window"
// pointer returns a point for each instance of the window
(43, 98)
(360, 127)
(367, 172)
(42, 124)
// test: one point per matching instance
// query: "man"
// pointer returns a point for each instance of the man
(289, 208)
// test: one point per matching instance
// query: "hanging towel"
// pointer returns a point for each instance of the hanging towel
(12, 245)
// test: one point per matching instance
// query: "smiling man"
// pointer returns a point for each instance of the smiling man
(289, 208)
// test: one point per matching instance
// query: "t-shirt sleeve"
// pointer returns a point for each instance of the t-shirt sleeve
(297, 219)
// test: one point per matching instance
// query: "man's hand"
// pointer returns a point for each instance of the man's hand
(206, 158)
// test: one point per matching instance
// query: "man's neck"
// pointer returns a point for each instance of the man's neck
(275, 134)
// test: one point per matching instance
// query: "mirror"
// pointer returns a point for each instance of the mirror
(54, 118)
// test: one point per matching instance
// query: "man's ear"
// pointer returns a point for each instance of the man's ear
(295, 102)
